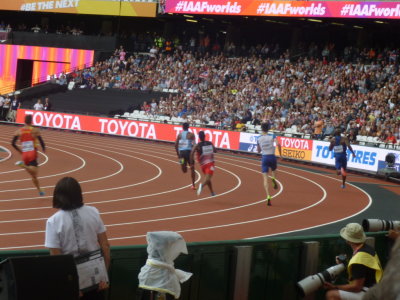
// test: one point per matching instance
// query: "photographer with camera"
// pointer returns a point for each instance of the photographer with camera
(388, 288)
(364, 268)
(393, 234)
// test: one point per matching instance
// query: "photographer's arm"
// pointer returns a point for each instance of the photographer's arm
(393, 234)
(354, 286)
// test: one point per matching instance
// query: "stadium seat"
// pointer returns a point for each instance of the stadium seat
(371, 140)
(251, 128)
(362, 139)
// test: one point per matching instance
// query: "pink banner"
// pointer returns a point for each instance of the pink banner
(47, 61)
(316, 9)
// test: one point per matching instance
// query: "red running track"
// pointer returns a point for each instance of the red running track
(138, 187)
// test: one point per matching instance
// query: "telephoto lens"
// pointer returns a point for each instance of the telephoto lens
(375, 225)
(312, 283)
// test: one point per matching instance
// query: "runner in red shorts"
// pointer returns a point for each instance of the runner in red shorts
(205, 155)
(29, 137)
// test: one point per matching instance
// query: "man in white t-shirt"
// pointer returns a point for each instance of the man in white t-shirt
(38, 105)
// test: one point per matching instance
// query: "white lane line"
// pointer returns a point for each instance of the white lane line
(20, 170)
(121, 168)
(139, 209)
(210, 227)
(248, 221)
(241, 222)
(326, 223)
(22, 247)
(8, 152)
(120, 199)
(83, 163)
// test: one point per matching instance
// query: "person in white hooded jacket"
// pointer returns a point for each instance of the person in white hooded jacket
(158, 277)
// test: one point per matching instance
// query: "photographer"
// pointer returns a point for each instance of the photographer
(393, 234)
(364, 268)
(388, 288)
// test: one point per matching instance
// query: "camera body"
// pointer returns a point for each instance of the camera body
(374, 225)
(312, 283)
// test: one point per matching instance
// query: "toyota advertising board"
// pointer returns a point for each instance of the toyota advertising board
(368, 159)
(129, 128)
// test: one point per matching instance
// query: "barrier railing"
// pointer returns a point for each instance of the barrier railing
(274, 266)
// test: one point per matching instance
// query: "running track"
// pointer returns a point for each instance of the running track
(138, 187)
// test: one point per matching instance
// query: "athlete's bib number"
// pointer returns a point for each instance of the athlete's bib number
(207, 150)
(27, 146)
(338, 149)
(184, 144)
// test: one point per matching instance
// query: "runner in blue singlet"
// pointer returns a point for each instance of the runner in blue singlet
(339, 145)
(183, 146)
(266, 145)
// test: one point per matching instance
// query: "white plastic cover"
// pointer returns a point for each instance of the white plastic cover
(159, 273)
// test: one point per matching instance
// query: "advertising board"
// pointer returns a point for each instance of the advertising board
(146, 130)
(312, 9)
(92, 7)
(369, 159)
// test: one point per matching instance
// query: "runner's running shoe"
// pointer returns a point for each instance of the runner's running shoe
(269, 201)
(275, 184)
(19, 163)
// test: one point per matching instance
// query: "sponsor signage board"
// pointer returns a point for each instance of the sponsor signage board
(146, 130)
(91, 7)
(311, 9)
(369, 159)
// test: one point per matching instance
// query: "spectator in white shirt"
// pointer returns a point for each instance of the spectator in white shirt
(38, 105)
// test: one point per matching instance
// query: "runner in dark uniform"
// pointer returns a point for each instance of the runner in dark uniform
(339, 145)
(183, 146)
(205, 154)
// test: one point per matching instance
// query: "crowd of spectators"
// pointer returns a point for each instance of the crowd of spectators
(5, 27)
(361, 97)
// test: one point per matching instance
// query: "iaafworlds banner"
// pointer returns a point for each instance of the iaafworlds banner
(316, 9)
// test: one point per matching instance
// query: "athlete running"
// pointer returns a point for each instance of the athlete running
(266, 145)
(183, 146)
(339, 145)
(29, 137)
(205, 154)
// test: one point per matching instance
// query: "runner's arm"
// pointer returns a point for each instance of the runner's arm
(192, 153)
(279, 147)
(14, 143)
(177, 144)
(346, 140)
(42, 143)
(331, 144)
